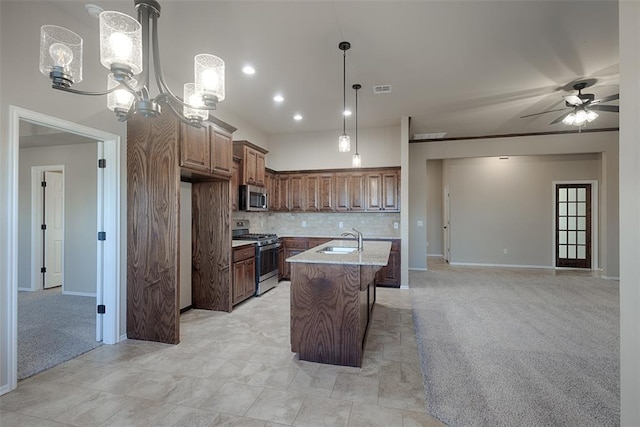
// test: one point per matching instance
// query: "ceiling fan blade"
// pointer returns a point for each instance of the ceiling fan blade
(609, 108)
(573, 99)
(543, 112)
(559, 119)
(606, 99)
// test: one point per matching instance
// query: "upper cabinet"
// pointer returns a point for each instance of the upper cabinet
(252, 170)
(206, 151)
(337, 190)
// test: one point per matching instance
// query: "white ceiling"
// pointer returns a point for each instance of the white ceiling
(468, 68)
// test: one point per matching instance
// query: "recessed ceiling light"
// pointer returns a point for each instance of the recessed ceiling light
(347, 113)
(249, 70)
(93, 10)
(278, 98)
(297, 117)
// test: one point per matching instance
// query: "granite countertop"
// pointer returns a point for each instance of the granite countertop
(373, 253)
(336, 237)
(236, 243)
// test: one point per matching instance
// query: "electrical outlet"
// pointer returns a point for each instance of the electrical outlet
(395, 225)
(304, 223)
(505, 251)
(340, 224)
(420, 223)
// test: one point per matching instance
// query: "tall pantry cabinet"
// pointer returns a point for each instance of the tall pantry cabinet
(161, 152)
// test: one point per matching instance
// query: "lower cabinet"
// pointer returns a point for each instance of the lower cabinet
(389, 275)
(244, 273)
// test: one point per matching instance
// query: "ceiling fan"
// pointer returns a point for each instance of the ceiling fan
(583, 107)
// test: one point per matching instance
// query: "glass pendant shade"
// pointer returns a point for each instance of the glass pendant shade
(121, 99)
(60, 51)
(581, 117)
(591, 116)
(193, 98)
(344, 143)
(209, 76)
(120, 42)
(570, 119)
(356, 161)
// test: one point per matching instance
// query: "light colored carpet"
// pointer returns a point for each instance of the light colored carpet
(53, 328)
(516, 347)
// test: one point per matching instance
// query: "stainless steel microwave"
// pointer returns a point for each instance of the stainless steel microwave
(253, 198)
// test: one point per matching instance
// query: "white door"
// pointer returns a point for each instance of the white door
(446, 230)
(53, 193)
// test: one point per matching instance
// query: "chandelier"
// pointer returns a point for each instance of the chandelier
(344, 142)
(580, 116)
(126, 45)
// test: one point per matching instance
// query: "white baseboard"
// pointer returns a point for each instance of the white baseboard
(435, 255)
(26, 289)
(474, 264)
(611, 278)
(80, 294)
(418, 269)
(4, 389)
(404, 286)
(122, 337)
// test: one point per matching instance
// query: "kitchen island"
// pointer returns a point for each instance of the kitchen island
(332, 295)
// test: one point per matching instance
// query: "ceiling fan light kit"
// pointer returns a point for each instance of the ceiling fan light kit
(583, 105)
(126, 46)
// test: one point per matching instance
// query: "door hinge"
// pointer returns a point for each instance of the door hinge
(43, 183)
(102, 163)
(43, 227)
(102, 309)
(43, 270)
(102, 235)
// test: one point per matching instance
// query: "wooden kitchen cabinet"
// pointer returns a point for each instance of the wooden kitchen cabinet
(298, 193)
(244, 273)
(382, 191)
(318, 190)
(235, 178)
(252, 163)
(206, 149)
(160, 152)
(389, 275)
(281, 197)
(292, 246)
(350, 192)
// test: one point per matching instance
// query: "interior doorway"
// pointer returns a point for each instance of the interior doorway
(108, 276)
(446, 230)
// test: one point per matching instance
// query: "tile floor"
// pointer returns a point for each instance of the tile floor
(233, 370)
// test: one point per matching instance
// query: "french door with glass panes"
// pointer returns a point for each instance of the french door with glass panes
(573, 225)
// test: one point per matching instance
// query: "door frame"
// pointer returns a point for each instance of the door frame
(36, 221)
(108, 262)
(595, 254)
(446, 219)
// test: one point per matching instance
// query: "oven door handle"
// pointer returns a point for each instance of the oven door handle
(271, 246)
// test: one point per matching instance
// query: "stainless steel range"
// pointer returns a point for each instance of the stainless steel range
(267, 245)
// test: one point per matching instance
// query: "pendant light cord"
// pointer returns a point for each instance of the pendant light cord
(356, 121)
(344, 90)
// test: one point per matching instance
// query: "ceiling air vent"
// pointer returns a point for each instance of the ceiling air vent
(377, 90)
(435, 135)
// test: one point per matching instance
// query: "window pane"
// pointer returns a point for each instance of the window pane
(572, 223)
(571, 208)
(571, 251)
(562, 209)
(562, 194)
(562, 252)
(572, 194)
(582, 252)
(571, 238)
(562, 223)
(582, 238)
(582, 194)
(562, 237)
(582, 209)
(582, 223)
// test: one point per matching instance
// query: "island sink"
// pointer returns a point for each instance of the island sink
(336, 250)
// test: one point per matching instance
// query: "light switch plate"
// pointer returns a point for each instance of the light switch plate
(420, 223)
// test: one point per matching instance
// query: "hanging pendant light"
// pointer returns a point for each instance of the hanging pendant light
(344, 142)
(356, 162)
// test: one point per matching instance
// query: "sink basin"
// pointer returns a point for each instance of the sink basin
(337, 250)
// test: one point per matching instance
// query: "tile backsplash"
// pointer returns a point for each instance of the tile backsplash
(322, 224)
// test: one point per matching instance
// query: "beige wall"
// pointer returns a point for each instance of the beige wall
(434, 200)
(319, 150)
(604, 144)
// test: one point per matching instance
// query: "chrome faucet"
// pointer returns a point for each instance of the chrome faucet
(357, 235)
